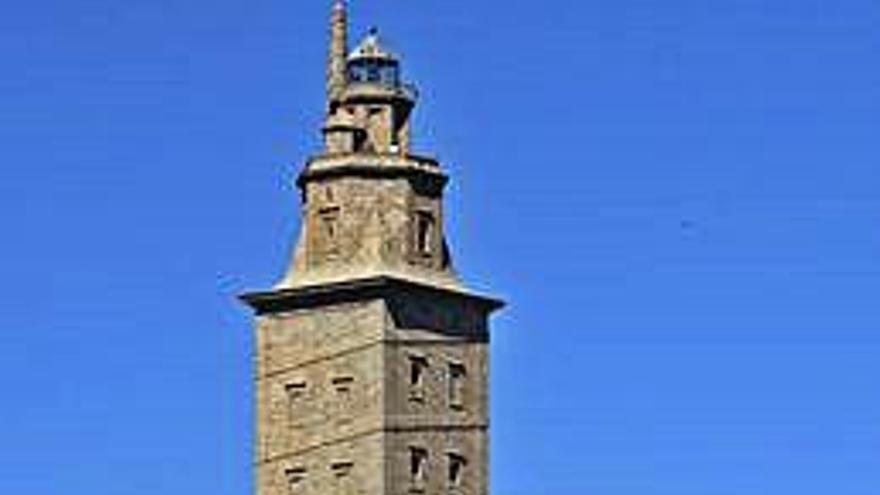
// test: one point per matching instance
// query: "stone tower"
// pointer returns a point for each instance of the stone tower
(372, 358)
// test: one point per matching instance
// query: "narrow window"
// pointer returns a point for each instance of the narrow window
(294, 391)
(341, 469)
(424, 232)
(418, 459)
(330, 227)
(343, 384)
(418, 366)
(360, 141)
(395, 133)
(328, 218)
(295, 478)
(456, 465)
(456, 384)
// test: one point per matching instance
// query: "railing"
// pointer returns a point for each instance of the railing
(407, 90)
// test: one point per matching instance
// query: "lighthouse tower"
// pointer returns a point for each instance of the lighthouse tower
(372, 356)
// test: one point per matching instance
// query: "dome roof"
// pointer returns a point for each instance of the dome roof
(371, 48)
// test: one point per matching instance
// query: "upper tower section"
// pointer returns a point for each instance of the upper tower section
(370, 206)
(369, 106)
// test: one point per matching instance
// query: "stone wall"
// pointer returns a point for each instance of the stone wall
(351, 394)
(320, 405)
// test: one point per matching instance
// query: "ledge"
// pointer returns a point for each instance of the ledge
(377, 287)
(371, 165)
(366, 91)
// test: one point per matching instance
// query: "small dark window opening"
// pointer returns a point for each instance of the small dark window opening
(295, 477)
(418, 365)
(457, 376)
(330, 227)
(456, 466)
(418, 457)
(343, 384)
(295, 391)
(360, 141)
(329, 220)
(342, 469)
(424, 232)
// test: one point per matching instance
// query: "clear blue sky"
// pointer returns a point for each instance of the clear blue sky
(678, 198)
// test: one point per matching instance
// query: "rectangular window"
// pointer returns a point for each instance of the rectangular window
(418, 366)
(295, 478)
(343, 384)
(455, 469)
(295, 391)
(424, 233)
(457, 380)
(341, 469)
(328, 218)
(418, 460)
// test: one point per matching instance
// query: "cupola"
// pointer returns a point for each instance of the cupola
(369, 105)
(372, 63)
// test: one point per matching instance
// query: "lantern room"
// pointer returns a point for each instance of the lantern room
(371, 63)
